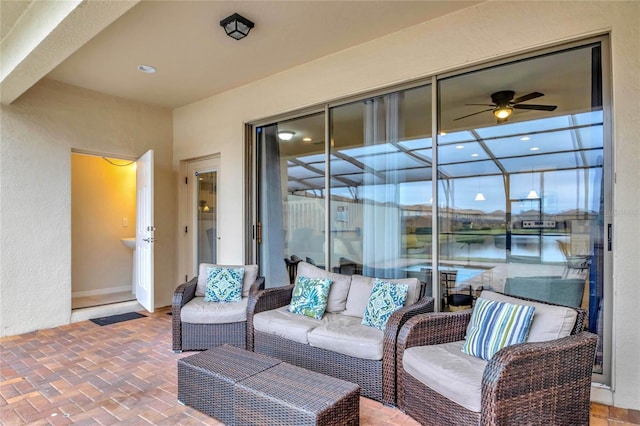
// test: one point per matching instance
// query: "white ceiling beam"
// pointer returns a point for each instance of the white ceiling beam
(46, 34)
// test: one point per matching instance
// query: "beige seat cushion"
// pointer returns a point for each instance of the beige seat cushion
(340, 284)
(549, 322)
(360, 292)
(448, 371)
(250, 276)
(346, 335)
(283, 323)
(197, 311)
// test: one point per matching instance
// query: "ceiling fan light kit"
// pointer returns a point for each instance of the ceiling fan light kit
(504, 103)
(502, 112)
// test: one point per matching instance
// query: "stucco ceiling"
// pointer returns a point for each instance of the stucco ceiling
(194, 57)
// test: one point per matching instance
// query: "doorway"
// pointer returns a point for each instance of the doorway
(103, 222)
(202, 212)
(112, 230)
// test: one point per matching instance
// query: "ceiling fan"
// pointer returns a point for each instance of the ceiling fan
(504, 104)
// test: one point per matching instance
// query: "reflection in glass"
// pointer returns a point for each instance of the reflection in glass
(292, 192)
(206, 190)
(516, 197)
(540, 173)
(380, 210)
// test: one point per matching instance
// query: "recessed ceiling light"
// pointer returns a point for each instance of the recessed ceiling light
(535, 148)
(147, 69)
(459, 146)
(474, 155)
(307, 139)
(525, 138)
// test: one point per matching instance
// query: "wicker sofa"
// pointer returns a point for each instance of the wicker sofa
(199, 325)
(338, 344)
(545, 380)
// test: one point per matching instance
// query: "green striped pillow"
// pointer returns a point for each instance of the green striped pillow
(495, 325)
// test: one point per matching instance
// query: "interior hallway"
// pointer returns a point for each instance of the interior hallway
(126, 374)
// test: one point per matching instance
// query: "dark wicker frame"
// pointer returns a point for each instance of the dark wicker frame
(530, 383)
(376, 378)
(198, 337)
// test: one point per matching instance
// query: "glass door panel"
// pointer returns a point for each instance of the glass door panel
(202, 232)
(380, 195)
(206, 217)
(291, 204)
(521, 195)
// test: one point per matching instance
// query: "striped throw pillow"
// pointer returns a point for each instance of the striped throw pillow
(495, 325)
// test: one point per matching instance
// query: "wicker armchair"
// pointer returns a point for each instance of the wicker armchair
(530, 383)
(377, 378)
(191, 335)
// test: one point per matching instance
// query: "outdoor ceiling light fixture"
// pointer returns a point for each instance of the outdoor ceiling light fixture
(286, 135)
(236, 26)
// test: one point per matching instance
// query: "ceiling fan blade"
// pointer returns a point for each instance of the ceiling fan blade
(536, 107)
(475, 113)
(523, 98)
(491, 105)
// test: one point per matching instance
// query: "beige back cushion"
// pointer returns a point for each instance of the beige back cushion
(549, 322)
(360, 292)
(250, 275)
(340, 284)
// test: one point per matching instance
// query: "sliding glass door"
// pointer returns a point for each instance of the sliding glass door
(503, 184)
(380, 169)
(523, 195)
(291, 207)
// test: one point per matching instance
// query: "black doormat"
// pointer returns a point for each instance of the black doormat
(117, 318)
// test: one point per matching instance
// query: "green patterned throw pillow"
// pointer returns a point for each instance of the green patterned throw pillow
(385, 299)
(310, 296)
(495, 325)
(224, 284)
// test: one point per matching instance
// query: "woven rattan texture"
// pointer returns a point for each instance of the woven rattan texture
(377, 378)
(365, 372)
(197, 337)
(206, 380)
(531, 383)
(265, 300)
(290, 395)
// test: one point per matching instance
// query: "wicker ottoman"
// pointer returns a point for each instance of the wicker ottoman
(290, 395)
(206, 380)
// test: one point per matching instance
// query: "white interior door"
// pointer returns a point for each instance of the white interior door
(144, 231)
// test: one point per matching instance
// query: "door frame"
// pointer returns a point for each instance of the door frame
(187, 241)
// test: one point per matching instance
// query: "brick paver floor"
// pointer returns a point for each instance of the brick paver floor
(124, 374)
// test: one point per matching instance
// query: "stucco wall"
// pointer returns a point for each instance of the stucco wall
(464, 38)
(39, 130)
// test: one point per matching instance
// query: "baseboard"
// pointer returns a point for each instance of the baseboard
(101, 291)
